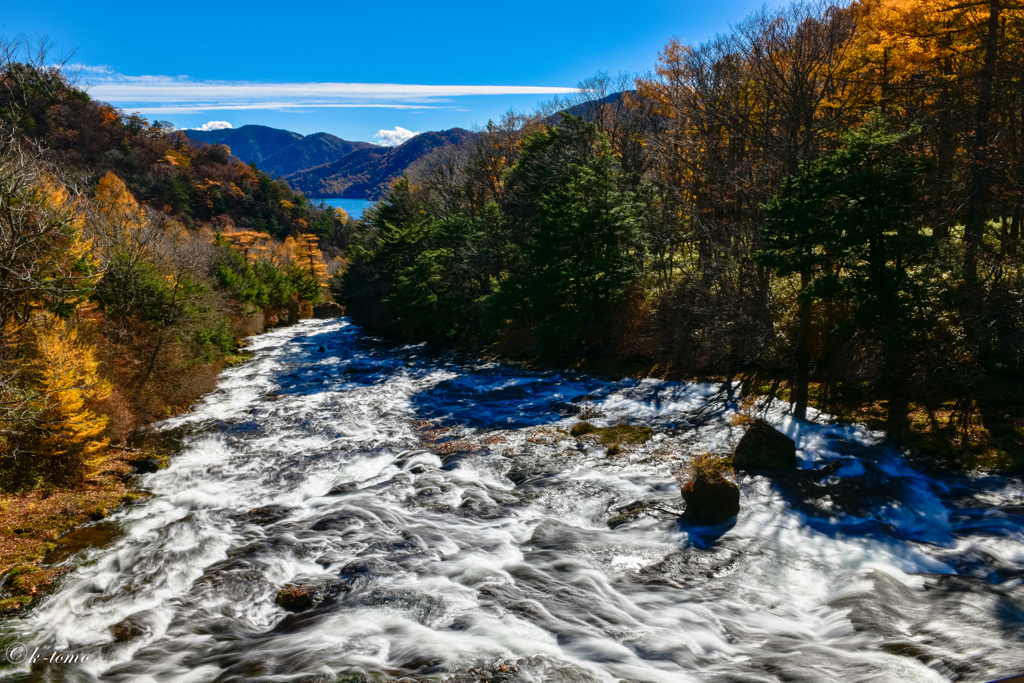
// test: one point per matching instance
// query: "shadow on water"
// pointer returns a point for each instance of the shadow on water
(704, 536)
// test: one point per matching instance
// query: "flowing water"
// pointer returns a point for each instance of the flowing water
(456, 532)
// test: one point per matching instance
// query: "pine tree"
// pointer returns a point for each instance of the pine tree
(845, 224)
(250, 243)
(307, 255)
(69, 432)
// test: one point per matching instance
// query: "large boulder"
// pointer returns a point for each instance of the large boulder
(764, 448)
(711, 499)
(328, 310)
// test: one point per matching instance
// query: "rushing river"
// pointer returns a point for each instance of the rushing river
(457, 534)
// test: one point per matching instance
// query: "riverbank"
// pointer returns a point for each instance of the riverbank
(35, 525)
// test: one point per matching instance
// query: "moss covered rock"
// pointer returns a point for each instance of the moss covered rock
(764, 448)
(711, 499)
(328, 310)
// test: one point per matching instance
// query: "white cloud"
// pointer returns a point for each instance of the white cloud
(393, 138)
(214, 125)
(166, 94)
(92, 69)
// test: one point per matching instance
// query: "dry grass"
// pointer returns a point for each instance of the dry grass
(625, 434)
(31, 523)
(707, 466)
(581, 428)
(747, 412)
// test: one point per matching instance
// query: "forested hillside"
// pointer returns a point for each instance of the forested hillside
(825, 202)
(132, 262)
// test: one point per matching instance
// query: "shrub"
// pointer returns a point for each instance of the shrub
(581, 428)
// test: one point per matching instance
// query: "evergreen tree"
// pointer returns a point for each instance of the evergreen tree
(846, 224)
(574, 236)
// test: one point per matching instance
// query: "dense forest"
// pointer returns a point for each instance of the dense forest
(132, 263)
(825, 203)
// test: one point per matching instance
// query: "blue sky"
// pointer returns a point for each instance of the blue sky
(316, 66)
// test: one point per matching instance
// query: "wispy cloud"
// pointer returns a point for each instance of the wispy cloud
(393, 138)
(92, 69)
(277, 106)
(166, 94)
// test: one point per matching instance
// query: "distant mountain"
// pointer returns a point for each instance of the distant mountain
(366, 173)
(248, 143)
(279, 152)
(312, 150)
(324, 165)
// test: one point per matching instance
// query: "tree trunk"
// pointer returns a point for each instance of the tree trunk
(150, 365)
(802, 371)
(974, 229)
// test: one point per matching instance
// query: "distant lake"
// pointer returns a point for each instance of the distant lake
(353, 207)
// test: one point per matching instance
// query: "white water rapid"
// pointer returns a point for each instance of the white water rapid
(314, 464)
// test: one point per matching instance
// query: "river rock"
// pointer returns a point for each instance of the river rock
(328, 310)
(764, 448)
(300, 597)
(149, 464)
(296, 598)
(711, 499)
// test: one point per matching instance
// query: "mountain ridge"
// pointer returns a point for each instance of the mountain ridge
(324, 165)
(367, 173)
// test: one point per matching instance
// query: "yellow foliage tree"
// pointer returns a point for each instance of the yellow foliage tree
(250, 243)
(117, 222)
(67, 378)
(283, 253)
(306, 253)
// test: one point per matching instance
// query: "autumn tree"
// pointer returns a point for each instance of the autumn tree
(307, 255)
(116, 223)
(44, 260)
(250, 243)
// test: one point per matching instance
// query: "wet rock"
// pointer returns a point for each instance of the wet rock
(300, 597)
(344, 488)
(268, 514)
(764, 448)
(295, 598)
(328, 310)
(711, 499)
(149, 464)
(526, 670)
(129, 629)
(628, 513)
(81, 538)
